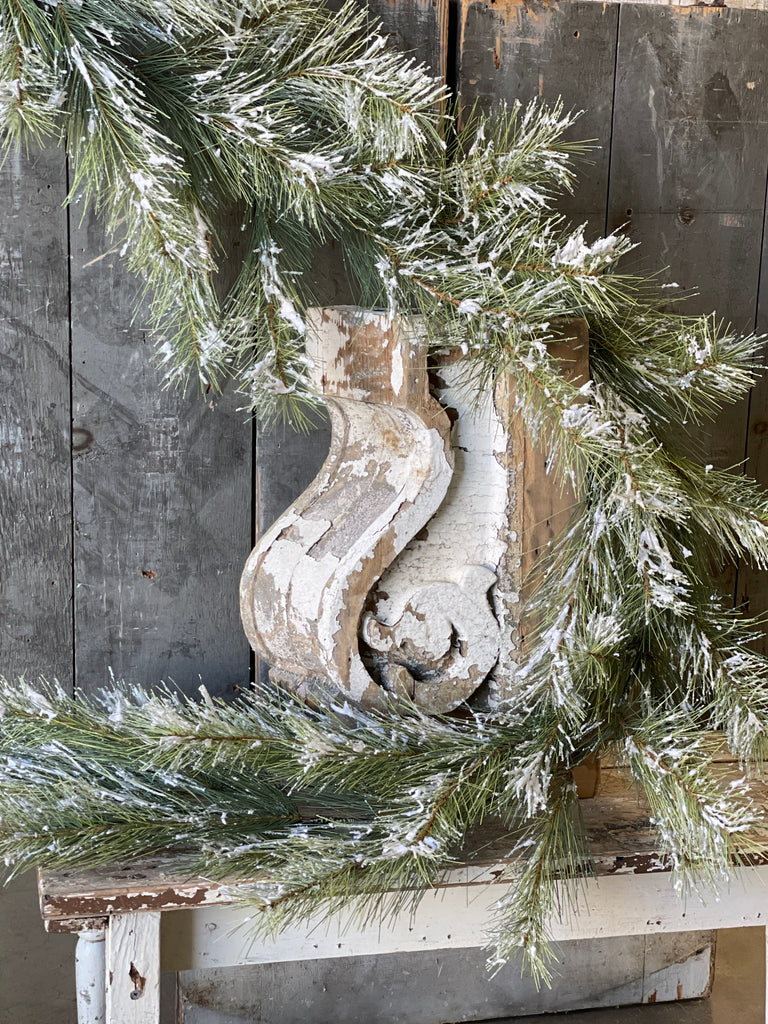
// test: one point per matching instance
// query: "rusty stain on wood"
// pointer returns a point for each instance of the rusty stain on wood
(138, 981)
(586, 777)
(70, 926)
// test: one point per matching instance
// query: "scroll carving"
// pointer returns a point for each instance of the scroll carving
(306, 582)
(396, 572)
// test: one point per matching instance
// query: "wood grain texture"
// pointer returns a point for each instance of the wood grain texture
(689, 165)
(416, 27)
(35, 490)
(690, 149)
(162, 487)
(513, 51)
(133, 969)
(547, 504)
(752, 583)
(689, 161)
(687, 140)
(429, 988)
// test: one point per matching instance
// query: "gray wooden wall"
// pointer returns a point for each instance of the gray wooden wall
(127, 511)
(676, 98)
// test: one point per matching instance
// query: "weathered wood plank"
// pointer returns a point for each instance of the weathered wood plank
(690, 149)
(513, 50)
(689, 161)
(162, 498)
(35, 489)
(618, 823)
(752, 587)
(547, 504)
(619, 905)
(287, 463)
(133, 969)
(429, 988)
(416, 27)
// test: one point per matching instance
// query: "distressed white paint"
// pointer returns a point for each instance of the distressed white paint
(306, 582)
(459, 916)
(446, 613)
(90, 977)
(300, 580)
(396, 376)
(681, 979)
(133, 969)
(632, 895)
(469, 528)
(434, 601)
(443, 628)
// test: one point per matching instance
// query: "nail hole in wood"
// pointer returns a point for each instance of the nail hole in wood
(138, 982)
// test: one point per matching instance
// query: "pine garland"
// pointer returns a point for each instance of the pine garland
(172, 111)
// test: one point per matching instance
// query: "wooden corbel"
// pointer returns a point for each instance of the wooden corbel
(395, 572)
(307, 581)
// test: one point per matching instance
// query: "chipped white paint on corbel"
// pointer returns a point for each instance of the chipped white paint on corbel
(449, 609)
(305, 584)
(392, 551)
(432, 611)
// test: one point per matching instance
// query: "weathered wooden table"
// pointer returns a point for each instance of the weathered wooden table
(137, 920)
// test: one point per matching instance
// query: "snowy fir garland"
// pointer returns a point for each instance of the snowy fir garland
(176, 112)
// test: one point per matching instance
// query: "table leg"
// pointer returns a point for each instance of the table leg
(90, 977)
(133, 969)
